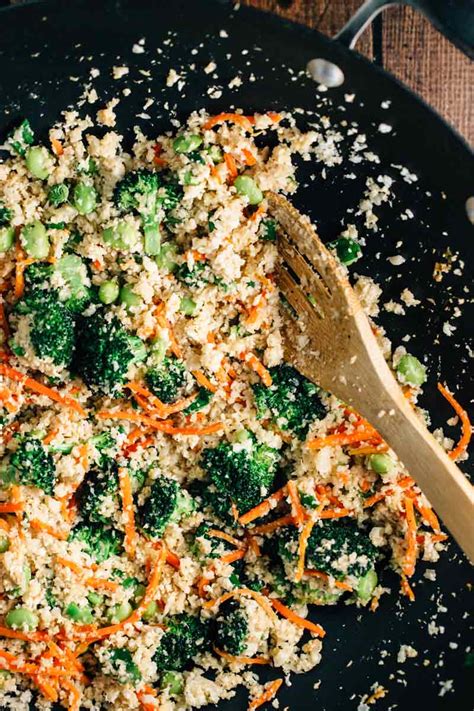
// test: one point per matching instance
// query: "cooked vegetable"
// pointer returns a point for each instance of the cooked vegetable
(232, 629)
(185, 636)
(123, 668)
(84, 198)
(167, 379)
(38, 162)
(247, 187)
(33, 465)
(166, 504)
(58, 194)
(347, 249)
(411, 371)
(34, 238)
(99, 540)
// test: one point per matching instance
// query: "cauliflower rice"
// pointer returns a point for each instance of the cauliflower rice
(202, 297)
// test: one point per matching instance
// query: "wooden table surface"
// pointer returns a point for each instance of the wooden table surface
(403, 42)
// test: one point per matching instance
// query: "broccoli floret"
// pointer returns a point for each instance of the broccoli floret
(5, 215)
(291, 400)
(242, 473)
(185, 636)
(98, 484)
(33, 465)
(122, 666)
(166, 379)
(75, 294)
(231, 629)
(38, 273)
(21, 138)
(51, 328)
(105, 351)
(166, 504)
(99, 541)
(203, 399)
(337, 548)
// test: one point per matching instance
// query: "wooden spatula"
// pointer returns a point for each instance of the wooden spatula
(332, 344)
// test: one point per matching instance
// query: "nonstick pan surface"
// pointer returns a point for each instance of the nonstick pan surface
(47, 52)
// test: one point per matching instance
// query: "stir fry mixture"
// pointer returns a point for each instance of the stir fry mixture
(174, 496)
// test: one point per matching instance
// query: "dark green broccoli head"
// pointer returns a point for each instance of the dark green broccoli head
(166, 504)
(5, 215)
(170, 193)
(98, 484)
(291, 400)
(166, 379)
(38, 273)
(206, 546)
(185, 637)
(51, 329)
(122, 667)
(137, 191)
(241, 473)
(338, 548)
(231, 629)
(99, 540)
(33, 465)
(105, 351)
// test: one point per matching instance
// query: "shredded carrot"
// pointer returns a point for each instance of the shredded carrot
(254, 363)
(125, 486)
(225, 537)
(255, 310)
(162, 426)
(21, 263)
(364, 451)
(463, 443)
(57, 147)
(410, 538)
(375, 498)
(231, 165)
(4, 525)
(237, 592)
(38, 525)
(39, 388)
(296, 619)
(12, 507)
(264, 507)
(297, 509)
(240, 660)
(101, 583)
(253, 545)
(232, 556)
(240, 120)
(429, 516)
(302, 545)
(406, 588)
(50, 436)
(405, 482)
(75, 702)
(331, 513)
(271, 526)
(49, 689)
(342, 438)
(66, 563)
(276, 118)
(204, 381)
(249, 157)
(142, 694)
(270, 691)
(24, 636)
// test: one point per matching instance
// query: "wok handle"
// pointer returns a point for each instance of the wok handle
(453, 18)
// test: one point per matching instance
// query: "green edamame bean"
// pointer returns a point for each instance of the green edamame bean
(152, 241)
(38, 162)
(381, 463)
(79, 613)
(158, 350)
(4, 544)
(84, 198)
(128, 297)
(21, 618)
(366, 585)
(150, 611)
(7, 237)
(247, 187)
(186, 144)
(411, 370)
(172, 681)
(119, 612)
(166, 257)
(108, 292)
(123, 236)
(35, 240)
(347, 249)
(187, 306)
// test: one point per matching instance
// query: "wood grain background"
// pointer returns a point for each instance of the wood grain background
(403, 42)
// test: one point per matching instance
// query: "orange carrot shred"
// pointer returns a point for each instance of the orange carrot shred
(38, 525)
(204, 381)
(240, 660)
(410, 538)
(264, 507)
(342, 438)
(242, 121)
(260, 599)
(302, 545)
(272, 526)
(249, 157)
(57, 147)
(406, 588)
(12, 507)
(254, 363)
(125, 486)
(296, 619)
(39, 388)
(429, 516)
(231, 165)
(215, 533)
(463, 443)
(162, 425)
(270, 690)
(143, 694)
(297, 509)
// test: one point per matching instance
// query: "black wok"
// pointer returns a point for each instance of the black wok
(45, 45)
